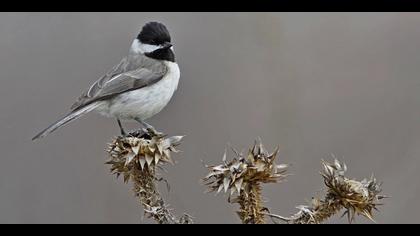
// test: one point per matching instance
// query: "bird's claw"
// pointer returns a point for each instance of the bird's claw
(153, 132)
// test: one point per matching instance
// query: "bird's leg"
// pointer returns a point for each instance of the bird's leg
(149, 128)
(123, 133)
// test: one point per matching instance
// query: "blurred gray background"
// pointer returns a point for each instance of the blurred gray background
(312, 83)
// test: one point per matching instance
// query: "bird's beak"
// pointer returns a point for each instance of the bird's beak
(166, 45)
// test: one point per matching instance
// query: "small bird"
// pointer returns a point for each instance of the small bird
(137, 88)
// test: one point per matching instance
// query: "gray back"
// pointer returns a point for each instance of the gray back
(133, 72)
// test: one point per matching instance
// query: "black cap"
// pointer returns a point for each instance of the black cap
(154, 33)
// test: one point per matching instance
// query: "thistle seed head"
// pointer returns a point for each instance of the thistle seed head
(237, 175)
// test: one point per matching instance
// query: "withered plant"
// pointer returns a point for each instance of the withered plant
(136, 157)
(355, 197)
(242, 178)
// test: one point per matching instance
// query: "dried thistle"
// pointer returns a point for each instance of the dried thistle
(242, 178)
(356, 197)
(136, 157)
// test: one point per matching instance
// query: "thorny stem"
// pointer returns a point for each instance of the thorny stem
(315, 215)
(251, 208)
(322, 212)
(150, 198)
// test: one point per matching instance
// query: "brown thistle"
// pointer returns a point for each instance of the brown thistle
(356, 197)
(136, 157)
(243, 177)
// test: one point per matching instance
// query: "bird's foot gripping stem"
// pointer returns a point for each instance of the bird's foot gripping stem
(150, 129)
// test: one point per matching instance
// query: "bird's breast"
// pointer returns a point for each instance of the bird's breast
(146, 102)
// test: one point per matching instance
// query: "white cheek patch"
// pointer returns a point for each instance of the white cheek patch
(147, 48)
(139, 47)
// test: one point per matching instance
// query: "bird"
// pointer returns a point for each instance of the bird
(137, 88)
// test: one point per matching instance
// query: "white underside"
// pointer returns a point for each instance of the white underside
(145, 102)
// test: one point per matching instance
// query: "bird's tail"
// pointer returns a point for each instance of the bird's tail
(68, 118)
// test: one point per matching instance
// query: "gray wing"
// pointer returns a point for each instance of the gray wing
(120, 80)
